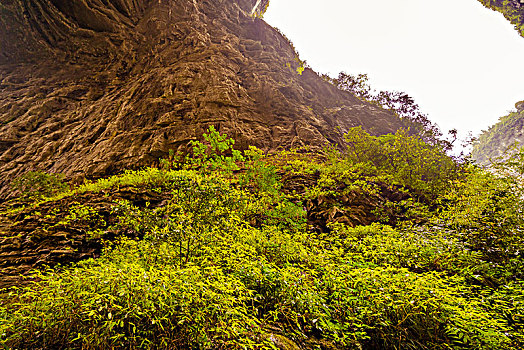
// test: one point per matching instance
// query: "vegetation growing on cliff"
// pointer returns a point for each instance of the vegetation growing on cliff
(403, 105)
(506, 135)
(266, 251)
(513, 10)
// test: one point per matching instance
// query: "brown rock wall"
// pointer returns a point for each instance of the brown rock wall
(89, 87)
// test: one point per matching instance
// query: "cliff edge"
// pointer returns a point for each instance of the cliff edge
(91, 87)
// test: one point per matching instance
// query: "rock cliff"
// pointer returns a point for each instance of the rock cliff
(509, 131)
(90, 87)
(501, 139)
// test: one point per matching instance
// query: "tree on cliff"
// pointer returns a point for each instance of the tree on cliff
(399, 102)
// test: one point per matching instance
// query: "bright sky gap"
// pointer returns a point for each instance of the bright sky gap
(462, 62)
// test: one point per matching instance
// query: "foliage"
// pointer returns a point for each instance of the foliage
(512, 10)
(151, 178)
(38, 184)
(86, 216)
(138, 295)
(198, 210)
(403, 159)
(487, 208)
(419, 249)
(216, 153)
(126, 300)
(400, 103)
(499, 139)
(302, 65)
(230, 261)
(260, 173)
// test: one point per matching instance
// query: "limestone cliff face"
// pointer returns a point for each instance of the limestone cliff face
(493, 143)
(90, 87)
(505, 136)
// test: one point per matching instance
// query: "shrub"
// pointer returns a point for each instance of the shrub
(487, 209)
(403, 159)
(198, 210)
(125, 301)
(215, 154)
(38, 184)
(229, 262)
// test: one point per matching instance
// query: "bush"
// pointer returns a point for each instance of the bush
(245, 282)
(229, 262)
(199, 209)
(487, 209)
(402, 159)
(38, 184)
(126, 301)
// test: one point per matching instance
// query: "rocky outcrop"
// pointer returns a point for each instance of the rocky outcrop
(90, 87)
(509, 131)
(62, 231)
(501, 139)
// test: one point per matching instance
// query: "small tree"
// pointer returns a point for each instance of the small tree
(406, 159)
(403, 105)
(216, 153)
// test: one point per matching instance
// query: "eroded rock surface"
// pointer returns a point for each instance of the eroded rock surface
(47, 235)
(502, 139)
(90, 87)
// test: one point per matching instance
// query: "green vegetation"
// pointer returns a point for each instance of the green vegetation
(401, 159)
(499, 138)
(234, 258)
(511, 9)
(38, 184)
(400, 103)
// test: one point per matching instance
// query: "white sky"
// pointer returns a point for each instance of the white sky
(461, 62)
